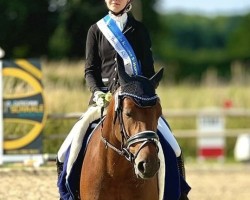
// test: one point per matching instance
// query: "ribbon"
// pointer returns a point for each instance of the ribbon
(120, 43)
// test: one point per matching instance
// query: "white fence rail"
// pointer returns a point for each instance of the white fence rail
(169, 114)
(188, 113)
(175, 113)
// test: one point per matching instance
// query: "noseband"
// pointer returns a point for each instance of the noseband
(143, 137)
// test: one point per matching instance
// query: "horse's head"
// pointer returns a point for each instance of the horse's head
(137, 110)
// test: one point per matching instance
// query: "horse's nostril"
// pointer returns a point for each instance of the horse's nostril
(142, 166)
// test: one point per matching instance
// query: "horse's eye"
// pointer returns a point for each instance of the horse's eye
(128, 113)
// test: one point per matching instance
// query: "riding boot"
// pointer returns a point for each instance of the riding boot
(59, 167)
(181, 168)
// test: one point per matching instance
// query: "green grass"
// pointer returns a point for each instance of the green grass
(65, 92)
(199, 96)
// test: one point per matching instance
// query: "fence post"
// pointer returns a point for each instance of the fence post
(1, 114)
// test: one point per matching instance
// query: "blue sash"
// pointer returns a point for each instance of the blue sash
(120, 43)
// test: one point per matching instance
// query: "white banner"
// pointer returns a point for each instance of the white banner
(211, 139)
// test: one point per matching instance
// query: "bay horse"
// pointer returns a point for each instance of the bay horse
(121, 161)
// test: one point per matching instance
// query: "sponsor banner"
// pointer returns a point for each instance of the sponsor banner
(24, 111)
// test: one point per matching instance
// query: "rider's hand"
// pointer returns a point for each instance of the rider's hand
(99, 98)
(102, 99)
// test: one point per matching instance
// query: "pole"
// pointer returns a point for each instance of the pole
(1, 113)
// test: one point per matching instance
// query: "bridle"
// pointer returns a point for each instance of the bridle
(143, 137)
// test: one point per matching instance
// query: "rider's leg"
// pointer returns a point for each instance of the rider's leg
(68, 140)
(64, 147)
(93, 113)
(164, 128)
(167, 134)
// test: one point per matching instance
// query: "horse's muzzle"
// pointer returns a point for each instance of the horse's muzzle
(147, 168)
(146, 161)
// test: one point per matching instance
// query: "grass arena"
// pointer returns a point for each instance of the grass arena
(208, 182)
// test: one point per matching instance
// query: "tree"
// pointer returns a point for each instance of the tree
(53, 28)
(239, 41)
(25, 27)
(75, 18)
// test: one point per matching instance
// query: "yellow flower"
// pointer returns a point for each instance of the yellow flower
(108, 96)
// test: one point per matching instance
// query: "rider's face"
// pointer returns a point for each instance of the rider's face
(116, 5)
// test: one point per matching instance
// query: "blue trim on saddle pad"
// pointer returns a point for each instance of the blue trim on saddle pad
(172, 180)
(174, 183)
(61, 183)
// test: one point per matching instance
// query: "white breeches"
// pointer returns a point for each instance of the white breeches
(78, 131)
(167, 134)
(68, 140)
(92, 114)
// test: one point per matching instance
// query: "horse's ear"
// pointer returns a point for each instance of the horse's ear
(155, 79)
(123, 76)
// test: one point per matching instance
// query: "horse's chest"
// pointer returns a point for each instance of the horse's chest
(125, 190)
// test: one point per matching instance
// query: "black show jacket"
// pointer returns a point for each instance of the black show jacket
(102, 59)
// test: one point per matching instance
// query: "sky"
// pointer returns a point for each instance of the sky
(207, 7)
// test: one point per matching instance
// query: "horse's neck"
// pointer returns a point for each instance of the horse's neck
(109, 127)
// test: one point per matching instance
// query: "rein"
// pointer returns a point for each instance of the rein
(143, 137)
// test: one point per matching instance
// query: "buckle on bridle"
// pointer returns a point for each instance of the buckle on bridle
(128, 155)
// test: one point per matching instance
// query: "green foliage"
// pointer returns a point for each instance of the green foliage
(59, 47)
(78, 16)
(239, 40)
(192, 44)
(150, 16)
(25, 27)
(189, 45)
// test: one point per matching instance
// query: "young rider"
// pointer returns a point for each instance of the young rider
(103, 55)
